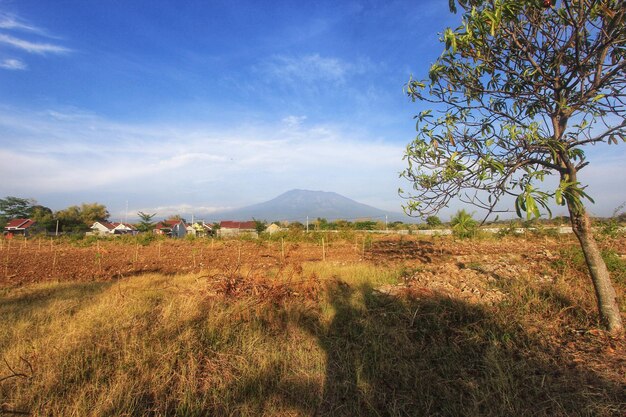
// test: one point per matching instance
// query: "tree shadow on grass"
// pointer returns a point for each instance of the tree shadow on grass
(17, 302)
(434, 356)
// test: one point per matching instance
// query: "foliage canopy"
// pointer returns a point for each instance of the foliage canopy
(16, 207)
(520, 89)
(145, 221)
(80, 218)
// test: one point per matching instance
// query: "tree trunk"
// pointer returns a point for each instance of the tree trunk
(608, 306)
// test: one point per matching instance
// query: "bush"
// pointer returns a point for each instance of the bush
(433, 221)
(610, 228)
(574, 258)
(144, 239)
(463, 225)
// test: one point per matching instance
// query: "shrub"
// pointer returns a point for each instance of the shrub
(144, 239)
(463, 225)
(433, 221)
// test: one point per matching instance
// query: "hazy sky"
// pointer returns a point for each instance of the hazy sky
(193, 106)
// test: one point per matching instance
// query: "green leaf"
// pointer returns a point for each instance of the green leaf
(558, 196)
(598, 97)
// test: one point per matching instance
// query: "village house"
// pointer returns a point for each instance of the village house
(106, 228)
(171, 228)
(273, 228)
(230, 228)
(200, 229)
(22, 227)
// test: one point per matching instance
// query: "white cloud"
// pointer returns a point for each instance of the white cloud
(309, 68)
(293, 121)
(199, 169)
(33, 47)
(12, 64)
(184, 210)
(12, 22)
(199, 165)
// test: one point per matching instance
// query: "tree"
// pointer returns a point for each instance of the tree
(296, 226)
(93, 212)
(322, 223)
(69, 219)
(44, 217)
(25, 208)
(80, 218)
(433, 221)
(15, 208)
(259, 225)
(522, 87)
(463, 224)
(365, 225)
(146, 224)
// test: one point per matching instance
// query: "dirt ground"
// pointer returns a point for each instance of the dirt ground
(461, 268)
(474, 271)
(41, 259)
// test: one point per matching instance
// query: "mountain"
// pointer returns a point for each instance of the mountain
(296, 205)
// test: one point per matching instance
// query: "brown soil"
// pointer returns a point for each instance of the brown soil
(475, 271)
(40, 260)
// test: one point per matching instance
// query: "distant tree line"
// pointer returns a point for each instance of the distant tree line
(74, 219)
(78, 219)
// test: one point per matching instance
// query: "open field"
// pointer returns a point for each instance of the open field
(358, 325)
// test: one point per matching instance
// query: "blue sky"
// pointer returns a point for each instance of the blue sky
(190, 107)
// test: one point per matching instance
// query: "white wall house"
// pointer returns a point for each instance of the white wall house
(106, 228)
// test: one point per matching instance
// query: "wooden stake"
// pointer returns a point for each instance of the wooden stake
(159, 246)
(99, 256)
(6, 264)
(282, 249)
(136, 252)
(323, 250)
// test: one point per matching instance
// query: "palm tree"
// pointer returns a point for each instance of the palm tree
(463, 225)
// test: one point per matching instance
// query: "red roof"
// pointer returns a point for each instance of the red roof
(108, 225)
(167, 224)
(19, 224)
(228, 224)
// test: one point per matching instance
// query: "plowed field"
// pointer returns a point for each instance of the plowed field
(39, 260)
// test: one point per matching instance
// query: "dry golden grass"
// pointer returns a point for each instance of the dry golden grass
(316, 338)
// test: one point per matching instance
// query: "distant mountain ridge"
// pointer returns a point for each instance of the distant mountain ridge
(296, 205)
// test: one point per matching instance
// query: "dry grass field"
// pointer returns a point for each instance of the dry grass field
(356, 325)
